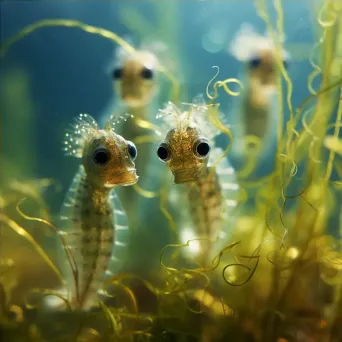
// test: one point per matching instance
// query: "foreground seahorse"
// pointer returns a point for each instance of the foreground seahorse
(95, 224)
(211, 191)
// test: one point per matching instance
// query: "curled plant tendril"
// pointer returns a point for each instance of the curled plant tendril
(317, 70)
(144, 332)
(197, 271)
(269, 259)
(282, 237)
(217, 259)
(156, 291)
(330, 22)
(215, 262)
(214, 118)
(127, 291)
(114, 325)
(294, 168)
(314, 138)
(327, 6)
(212, 97)
(213, 115)
(224, 85)
(252, 271)
(286, 198)
(69, 255)
(178, 286)
(173, 270)
(280, 28)
(336, 134)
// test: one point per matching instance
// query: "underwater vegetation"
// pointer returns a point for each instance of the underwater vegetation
(189, 213)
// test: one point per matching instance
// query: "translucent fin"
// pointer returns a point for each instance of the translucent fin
(120, 249)
(67, 210)
(72, 233)
(69, 230)
(230, 192)
(77, 134)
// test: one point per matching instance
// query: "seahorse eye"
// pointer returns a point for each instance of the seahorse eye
(101, 156)
(201, 147)
(254, 62)
(132, 150)
(163, 152)
(147, 73)
(117, 73)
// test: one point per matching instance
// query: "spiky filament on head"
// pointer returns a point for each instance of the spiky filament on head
(75, 136)
(195, 115)
(83, 128)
